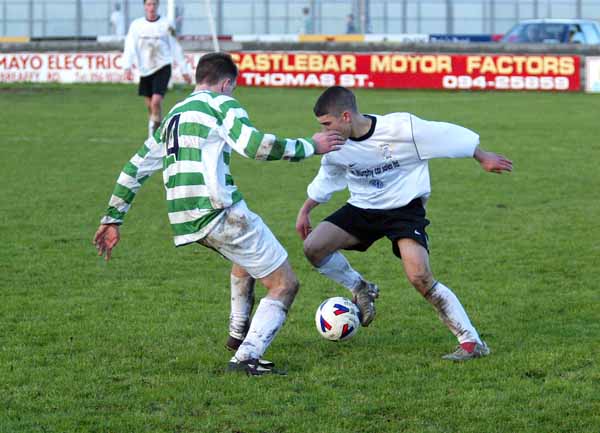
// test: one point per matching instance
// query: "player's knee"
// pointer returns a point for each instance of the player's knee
(155, 106)
(312, 252)
(289, 290)
(421, 280)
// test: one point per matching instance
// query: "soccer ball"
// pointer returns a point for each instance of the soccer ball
(337, 319)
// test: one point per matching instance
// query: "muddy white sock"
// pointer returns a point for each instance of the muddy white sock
(452, 313)
(267, 321)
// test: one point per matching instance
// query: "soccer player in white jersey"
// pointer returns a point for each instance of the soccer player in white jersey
(151, 46)
(384, 164)
(193, 147)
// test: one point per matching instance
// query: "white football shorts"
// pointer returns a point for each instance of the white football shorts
(242, 237)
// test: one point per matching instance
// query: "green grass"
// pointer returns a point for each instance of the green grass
(135, 345)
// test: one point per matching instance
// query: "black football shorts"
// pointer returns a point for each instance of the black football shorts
(156, 83)
(369, 225)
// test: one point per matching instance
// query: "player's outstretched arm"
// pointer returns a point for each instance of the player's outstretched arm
(106, 238)
(492, 162)
(303, 224)
(146, 161)
(327, 141)
(248, 141)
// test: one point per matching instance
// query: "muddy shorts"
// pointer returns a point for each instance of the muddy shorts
(243, 238)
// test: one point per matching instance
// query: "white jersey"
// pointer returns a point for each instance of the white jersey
(388, 167)
(150, 45)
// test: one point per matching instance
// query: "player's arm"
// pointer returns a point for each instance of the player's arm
(147, 160)
(492, 162)
(179, 58)
(303, 224)
(129, 52)
(248, 141)
(330, 179)
(447, 140)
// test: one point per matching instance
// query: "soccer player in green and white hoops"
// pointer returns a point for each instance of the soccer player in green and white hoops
(193, 147)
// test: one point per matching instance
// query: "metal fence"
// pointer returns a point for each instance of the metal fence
(55, 18)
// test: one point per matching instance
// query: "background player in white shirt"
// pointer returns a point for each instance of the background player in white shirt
(384, 164)
(151, 45)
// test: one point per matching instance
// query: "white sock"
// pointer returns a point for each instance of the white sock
(242, 301)
(452, 313)
(268, 319)
(337, 268)
(150, 128)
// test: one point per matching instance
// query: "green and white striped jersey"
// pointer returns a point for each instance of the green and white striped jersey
(193, 147)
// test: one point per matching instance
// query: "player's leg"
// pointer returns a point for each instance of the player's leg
(415, 260)
(321, 248)
(242, 302)
(155, 112)
(242, 237)
(148, 102)
(160, 83)
(145, 90)
(271, 312)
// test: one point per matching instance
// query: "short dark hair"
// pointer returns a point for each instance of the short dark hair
(157, 1)
(213, 67)
(335, 100)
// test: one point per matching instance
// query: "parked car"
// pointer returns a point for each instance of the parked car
(554, 31)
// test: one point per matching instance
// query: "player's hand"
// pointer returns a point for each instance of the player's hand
(303, 226)
(106, 238)
(328, 141)
(187, 78)
(492, 162)
(128, 75)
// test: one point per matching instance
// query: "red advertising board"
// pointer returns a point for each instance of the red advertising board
(411, 71)
(61, 67)
(309, 69)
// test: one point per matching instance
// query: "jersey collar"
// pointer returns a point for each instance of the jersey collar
(371, 129)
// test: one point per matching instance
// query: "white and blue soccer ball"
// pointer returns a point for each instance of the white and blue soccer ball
(337, 319)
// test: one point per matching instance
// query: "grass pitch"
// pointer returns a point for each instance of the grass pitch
(136, 345)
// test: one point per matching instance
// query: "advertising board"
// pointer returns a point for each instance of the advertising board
(315, 69)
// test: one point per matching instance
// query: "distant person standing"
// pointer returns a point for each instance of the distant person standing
(151, 45)
(117, 21)
(307, 26)
(350, 25)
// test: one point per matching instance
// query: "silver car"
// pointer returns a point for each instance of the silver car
(554, 31)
